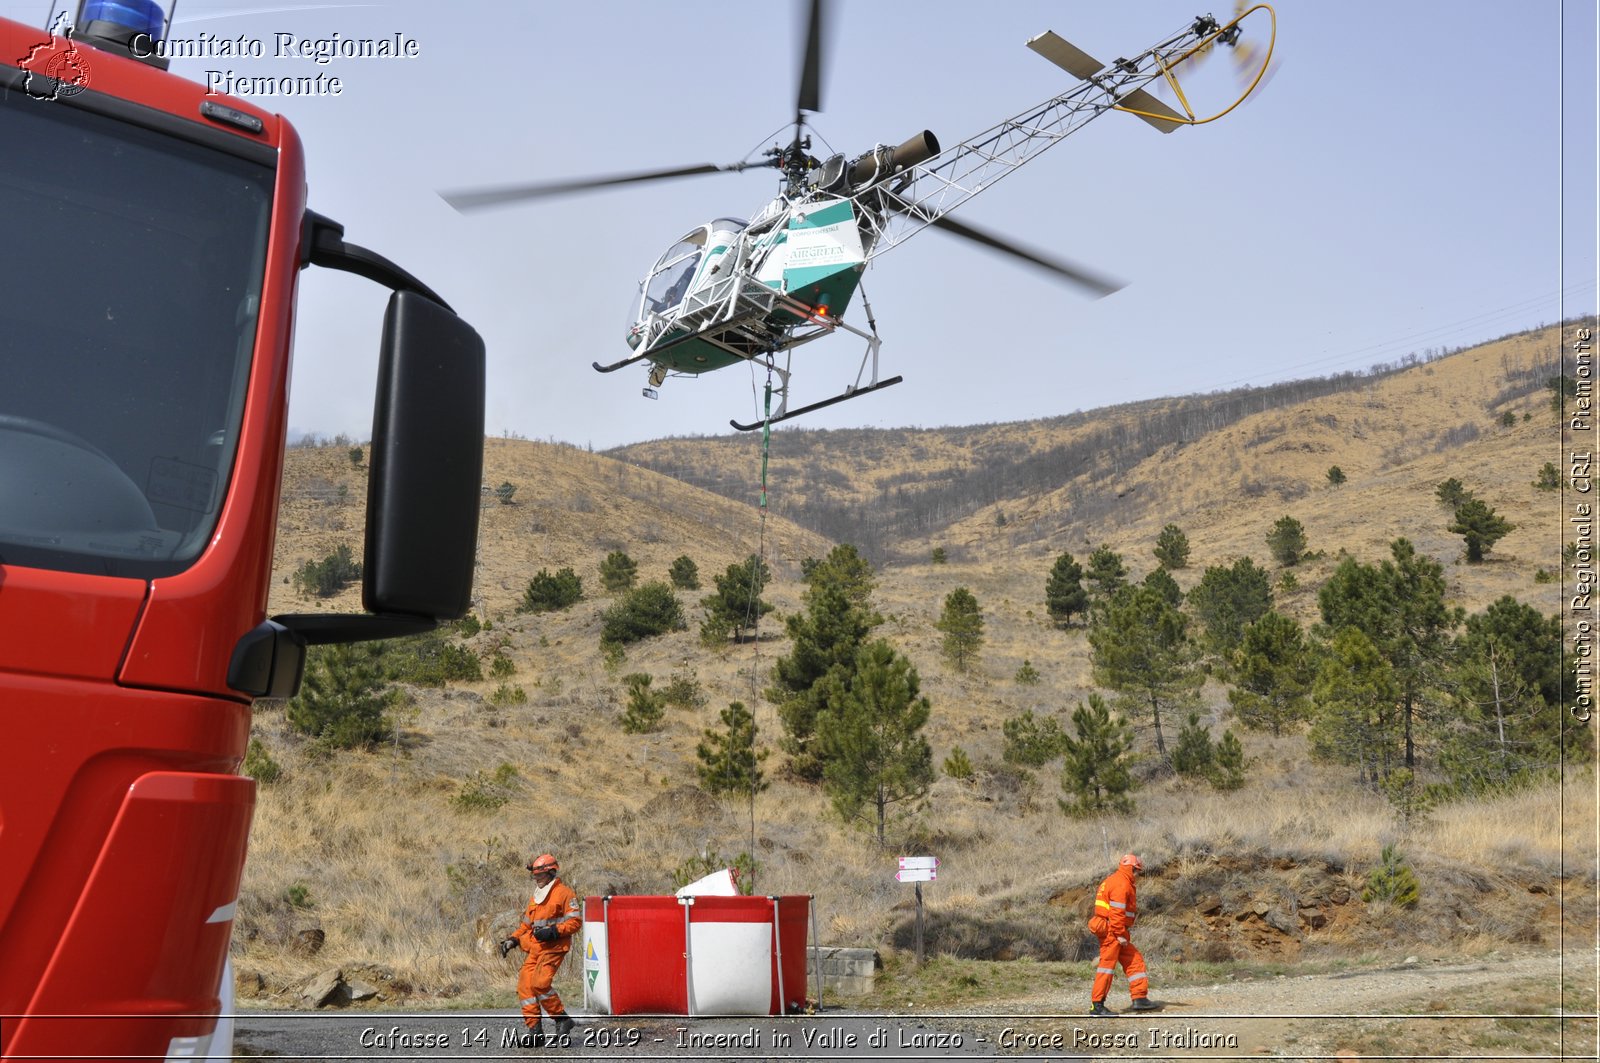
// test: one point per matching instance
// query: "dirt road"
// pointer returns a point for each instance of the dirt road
(1500, 1007)
(1510, 1005)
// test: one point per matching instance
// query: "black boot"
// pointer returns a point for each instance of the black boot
(1145, 1004)
(1098, 1009)
(534, 1038)
(564, 1025)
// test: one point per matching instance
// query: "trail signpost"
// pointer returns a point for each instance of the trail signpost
(918, 869)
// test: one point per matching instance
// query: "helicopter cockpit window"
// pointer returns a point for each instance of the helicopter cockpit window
(670, 279)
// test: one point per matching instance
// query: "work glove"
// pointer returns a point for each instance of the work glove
(545, 933)
(506, 945)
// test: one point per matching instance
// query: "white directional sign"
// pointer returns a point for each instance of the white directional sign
(917, 874)
(911, 863)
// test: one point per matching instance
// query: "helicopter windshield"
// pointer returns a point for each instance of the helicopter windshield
(670, 279)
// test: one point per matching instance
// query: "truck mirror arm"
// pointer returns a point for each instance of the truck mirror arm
(324, 245)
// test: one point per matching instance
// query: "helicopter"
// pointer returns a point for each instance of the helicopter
(736, 290)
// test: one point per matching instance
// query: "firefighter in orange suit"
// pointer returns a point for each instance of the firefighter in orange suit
(1116, 906)
(553, 915)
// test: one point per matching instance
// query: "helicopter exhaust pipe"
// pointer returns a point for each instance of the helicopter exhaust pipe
(880, 163)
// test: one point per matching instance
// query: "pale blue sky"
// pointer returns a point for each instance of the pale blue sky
(1397, 186)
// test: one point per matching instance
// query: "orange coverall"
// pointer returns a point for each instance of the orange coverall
(1116, 906)
(560, 909)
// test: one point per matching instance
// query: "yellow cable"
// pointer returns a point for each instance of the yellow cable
(1198, 46)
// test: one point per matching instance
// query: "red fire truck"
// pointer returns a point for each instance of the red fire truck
(154, 234)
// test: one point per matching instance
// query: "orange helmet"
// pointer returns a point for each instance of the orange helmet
(544, 862)
(1133, 861)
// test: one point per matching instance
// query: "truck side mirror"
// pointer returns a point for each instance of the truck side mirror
(427, 463)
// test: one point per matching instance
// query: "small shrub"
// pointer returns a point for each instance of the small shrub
(939, 556)
(298, 896)
(506, 695)
(546, 593)
(329, 576)
(684, 574)
(744, 869)
(715, 632)
(1336, 476)
(683, 692)
(487, 792)
(1193, 754)
(468, 626)
(618, 572)
(648, 610)
(1032, 741)
(505, 492)
(432, 660)
(259, 765)
(1027, 675)
(502, 667)
(1392, 882)
(645, 706)
(1227, 763)
(959, 766)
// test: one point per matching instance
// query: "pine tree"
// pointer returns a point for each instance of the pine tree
(737, 601)
(1105, 572)
(1095, 772)
(824, 640)
(618, 572)
(1355, 696)
(962, 624)
(1272, 671)
(645, 706)
(1480, 527)
(1064, 596)
(1193, 754)
(1400, 606)
(1506, 677)
(1172, 547)
(1287, 541)
(648, 610)
(1161, 581)
(345, 696)
(730, 763)
(845, 568)
(546, 593)
(1141, 650)
(684, 573)
(1229, 599)
(1032, 741)
(1392, 881)
(870, 737)
(1228, 763)
(1451, 493)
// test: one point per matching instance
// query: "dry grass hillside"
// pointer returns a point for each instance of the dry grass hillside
(392, 864)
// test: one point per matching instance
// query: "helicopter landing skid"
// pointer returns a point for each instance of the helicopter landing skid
(614, 366)
(850, 393)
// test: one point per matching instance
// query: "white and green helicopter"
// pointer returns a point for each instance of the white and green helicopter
(734, 290)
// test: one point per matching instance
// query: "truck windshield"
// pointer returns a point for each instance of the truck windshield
(134, 265)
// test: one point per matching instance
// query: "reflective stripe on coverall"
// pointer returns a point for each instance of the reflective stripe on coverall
(1116, 907)
(561, 910)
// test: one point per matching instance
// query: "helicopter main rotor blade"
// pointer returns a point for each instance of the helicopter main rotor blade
(1097, 283)
(809, 97)
(494, 197)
